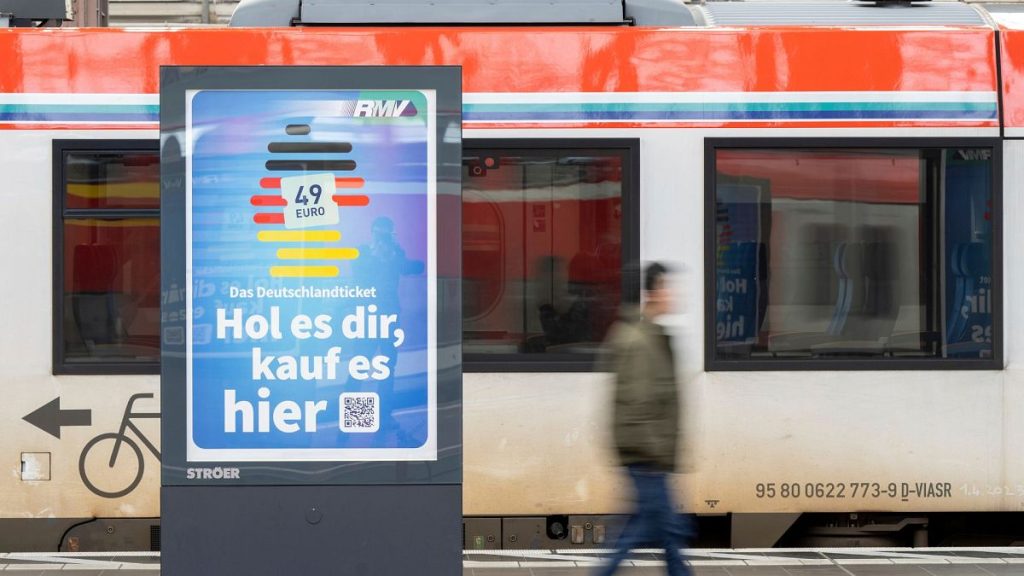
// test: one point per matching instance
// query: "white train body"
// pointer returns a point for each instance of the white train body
(537, 442)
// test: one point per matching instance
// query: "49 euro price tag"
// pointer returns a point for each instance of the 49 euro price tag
(310, 201)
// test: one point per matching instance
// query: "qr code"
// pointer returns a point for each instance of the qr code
(360, 412)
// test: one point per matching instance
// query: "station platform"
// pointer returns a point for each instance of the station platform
(705, 562)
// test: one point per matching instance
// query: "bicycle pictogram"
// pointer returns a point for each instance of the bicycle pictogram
(120, 438)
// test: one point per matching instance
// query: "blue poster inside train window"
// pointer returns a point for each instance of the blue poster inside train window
(311, 238)
(739, 258)
(968, 249)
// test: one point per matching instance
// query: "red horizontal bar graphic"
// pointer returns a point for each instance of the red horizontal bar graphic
(268, 218)
(268, 201)
(353, 200)
(271, 182)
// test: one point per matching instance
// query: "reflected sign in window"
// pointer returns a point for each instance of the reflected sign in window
(843, 253)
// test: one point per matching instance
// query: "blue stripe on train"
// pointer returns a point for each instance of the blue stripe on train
(590, 112)
(76, 117)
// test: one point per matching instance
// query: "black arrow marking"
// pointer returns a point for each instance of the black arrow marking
(50, 418)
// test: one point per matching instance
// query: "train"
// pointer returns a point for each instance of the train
(831, 184)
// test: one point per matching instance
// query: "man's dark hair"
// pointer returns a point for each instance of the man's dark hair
(653, 274)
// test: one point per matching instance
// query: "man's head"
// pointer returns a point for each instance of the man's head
(657, 295)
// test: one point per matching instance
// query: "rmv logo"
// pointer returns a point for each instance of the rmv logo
(384, 108)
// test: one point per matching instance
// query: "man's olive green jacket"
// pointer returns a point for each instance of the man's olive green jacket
(646, 407)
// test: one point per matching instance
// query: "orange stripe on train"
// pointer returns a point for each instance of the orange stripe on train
(540, 60)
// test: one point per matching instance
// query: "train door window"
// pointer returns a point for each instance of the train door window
(846, 256)
(106, 257)
(547, 226)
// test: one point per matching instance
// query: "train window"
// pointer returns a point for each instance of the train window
(842, 256)
(546, 228)
(106, 257)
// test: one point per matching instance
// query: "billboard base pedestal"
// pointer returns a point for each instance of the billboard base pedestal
(380, 530)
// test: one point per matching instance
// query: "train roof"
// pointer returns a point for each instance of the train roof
(654, 13)
(883, 13)
(825, 13)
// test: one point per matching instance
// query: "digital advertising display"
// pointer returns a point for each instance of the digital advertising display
(312, 261)
(311, 342)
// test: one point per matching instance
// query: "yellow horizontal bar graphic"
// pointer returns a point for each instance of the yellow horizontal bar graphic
(298, 236)
(117, 223)
(304, 271)
(317, 253)
(140, 189)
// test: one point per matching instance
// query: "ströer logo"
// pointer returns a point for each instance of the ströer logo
(216, 473)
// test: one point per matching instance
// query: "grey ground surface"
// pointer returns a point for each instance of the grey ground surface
(802, 562)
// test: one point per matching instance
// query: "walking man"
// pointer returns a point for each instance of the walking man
(646, 424)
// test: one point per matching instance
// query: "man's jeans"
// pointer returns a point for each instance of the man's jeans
(654, 523)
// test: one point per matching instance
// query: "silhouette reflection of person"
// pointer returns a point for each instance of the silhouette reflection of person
(381, 264)
(565, 311)
(576, 304)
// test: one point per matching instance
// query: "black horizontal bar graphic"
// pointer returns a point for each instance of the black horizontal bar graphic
(309, 147)
(296, 129)
(311, 165)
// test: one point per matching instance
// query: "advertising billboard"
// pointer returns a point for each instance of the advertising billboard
(310, 223)
(312, 248)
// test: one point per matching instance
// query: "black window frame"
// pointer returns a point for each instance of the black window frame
(630, 148)
(712, 364)
(61, 148)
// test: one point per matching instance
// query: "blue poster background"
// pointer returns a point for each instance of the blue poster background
(230, 266)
